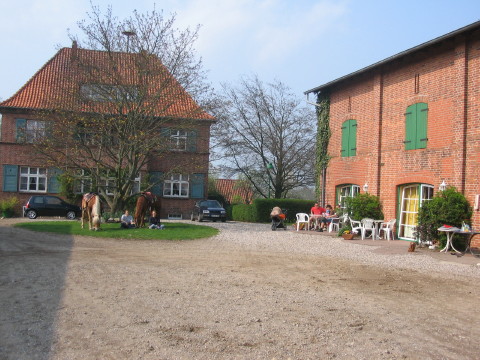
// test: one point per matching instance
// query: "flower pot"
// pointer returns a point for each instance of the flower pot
(348, 236)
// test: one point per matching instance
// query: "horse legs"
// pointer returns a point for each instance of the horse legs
(83, 216)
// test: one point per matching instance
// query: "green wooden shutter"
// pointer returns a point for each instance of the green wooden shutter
(21, 125)
(10, 182)
(192, 141)
(421, 136)
(410, 128)
(156, 179)
(345, 138)
(352, 139)
(53, 180)
(197, 186)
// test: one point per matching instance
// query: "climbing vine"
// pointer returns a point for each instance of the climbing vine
(323, 138)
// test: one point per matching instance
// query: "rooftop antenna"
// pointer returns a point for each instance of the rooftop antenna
(128, 34)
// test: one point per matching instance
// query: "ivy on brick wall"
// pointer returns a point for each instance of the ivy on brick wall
(323, 138)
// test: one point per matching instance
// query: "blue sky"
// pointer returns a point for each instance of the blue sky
(303, 43)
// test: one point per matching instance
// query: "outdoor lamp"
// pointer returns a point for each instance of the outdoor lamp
(442, 186)
(365, 187)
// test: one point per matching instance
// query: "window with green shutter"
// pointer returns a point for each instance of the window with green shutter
(54, 180)
(416, 126)
(197, 186)
(349, 138)
(156, 178)
(21, 125)
(10, 173)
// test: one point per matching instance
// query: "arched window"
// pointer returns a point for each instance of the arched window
(349, 138)
(416, 126)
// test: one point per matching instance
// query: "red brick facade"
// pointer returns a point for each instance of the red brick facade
(444, 74)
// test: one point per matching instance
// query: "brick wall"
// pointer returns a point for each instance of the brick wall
(447, 78)
(13, 153)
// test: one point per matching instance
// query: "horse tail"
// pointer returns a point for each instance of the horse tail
(96, 211)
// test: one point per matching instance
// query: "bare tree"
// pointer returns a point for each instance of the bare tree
(128, 80)
(267, 136)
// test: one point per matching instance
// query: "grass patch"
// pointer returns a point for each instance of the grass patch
(172, 231)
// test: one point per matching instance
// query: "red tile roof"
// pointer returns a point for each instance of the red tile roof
(233, 190)
(57, 84)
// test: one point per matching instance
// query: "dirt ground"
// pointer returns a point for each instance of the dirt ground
(65, 297)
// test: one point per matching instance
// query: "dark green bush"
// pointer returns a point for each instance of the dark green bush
(243, 212)
(364, 206)
(448, 207)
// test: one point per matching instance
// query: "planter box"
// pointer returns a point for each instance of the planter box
(348, 236)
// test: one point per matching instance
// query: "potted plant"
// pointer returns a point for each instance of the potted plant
(346, 232)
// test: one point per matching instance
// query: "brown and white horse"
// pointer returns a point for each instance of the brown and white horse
(91, 210)
(145, 202)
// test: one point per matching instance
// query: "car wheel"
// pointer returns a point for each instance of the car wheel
(192, 217)
(71, 215)
(31, 214)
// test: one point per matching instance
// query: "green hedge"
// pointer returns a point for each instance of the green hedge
(259, 210)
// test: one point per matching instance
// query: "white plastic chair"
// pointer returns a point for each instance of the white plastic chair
(368, 225)
(334, 224)
(387, 228)
(356, 226)
(303, 218)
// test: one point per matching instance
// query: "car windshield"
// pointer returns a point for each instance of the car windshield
(211, 204)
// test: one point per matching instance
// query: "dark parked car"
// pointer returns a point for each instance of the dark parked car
(209, 210)
(46, 205)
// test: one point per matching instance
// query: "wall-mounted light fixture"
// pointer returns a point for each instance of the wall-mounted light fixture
(442, 186)
(365, 187)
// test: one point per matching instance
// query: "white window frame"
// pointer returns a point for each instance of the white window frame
(347, 191)
(178, 139)
(177, 186)
(32, 177)
(82, 182)
(424, 189)
(35, 130)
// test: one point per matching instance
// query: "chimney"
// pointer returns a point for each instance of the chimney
(74, 50)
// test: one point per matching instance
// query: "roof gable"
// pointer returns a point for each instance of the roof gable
(58, 84)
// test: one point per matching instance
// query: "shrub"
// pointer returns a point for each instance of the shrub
(448, 207)
(7, 206)
(244, 212)
(260, 209)
(364, 206)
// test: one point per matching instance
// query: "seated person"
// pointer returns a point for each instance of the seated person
(316, 213)
(126, 221)
(327, 217)
(155, 221)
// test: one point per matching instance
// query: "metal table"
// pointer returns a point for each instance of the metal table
(450, 231)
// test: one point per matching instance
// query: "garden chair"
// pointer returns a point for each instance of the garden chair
(356, 226)
(334, 225)
(387, 228)
(368, 225)
(303, 218)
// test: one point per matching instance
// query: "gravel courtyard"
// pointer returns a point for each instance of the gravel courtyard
(247, 293)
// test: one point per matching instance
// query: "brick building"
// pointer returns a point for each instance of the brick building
(403, 126)
(23, 173)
